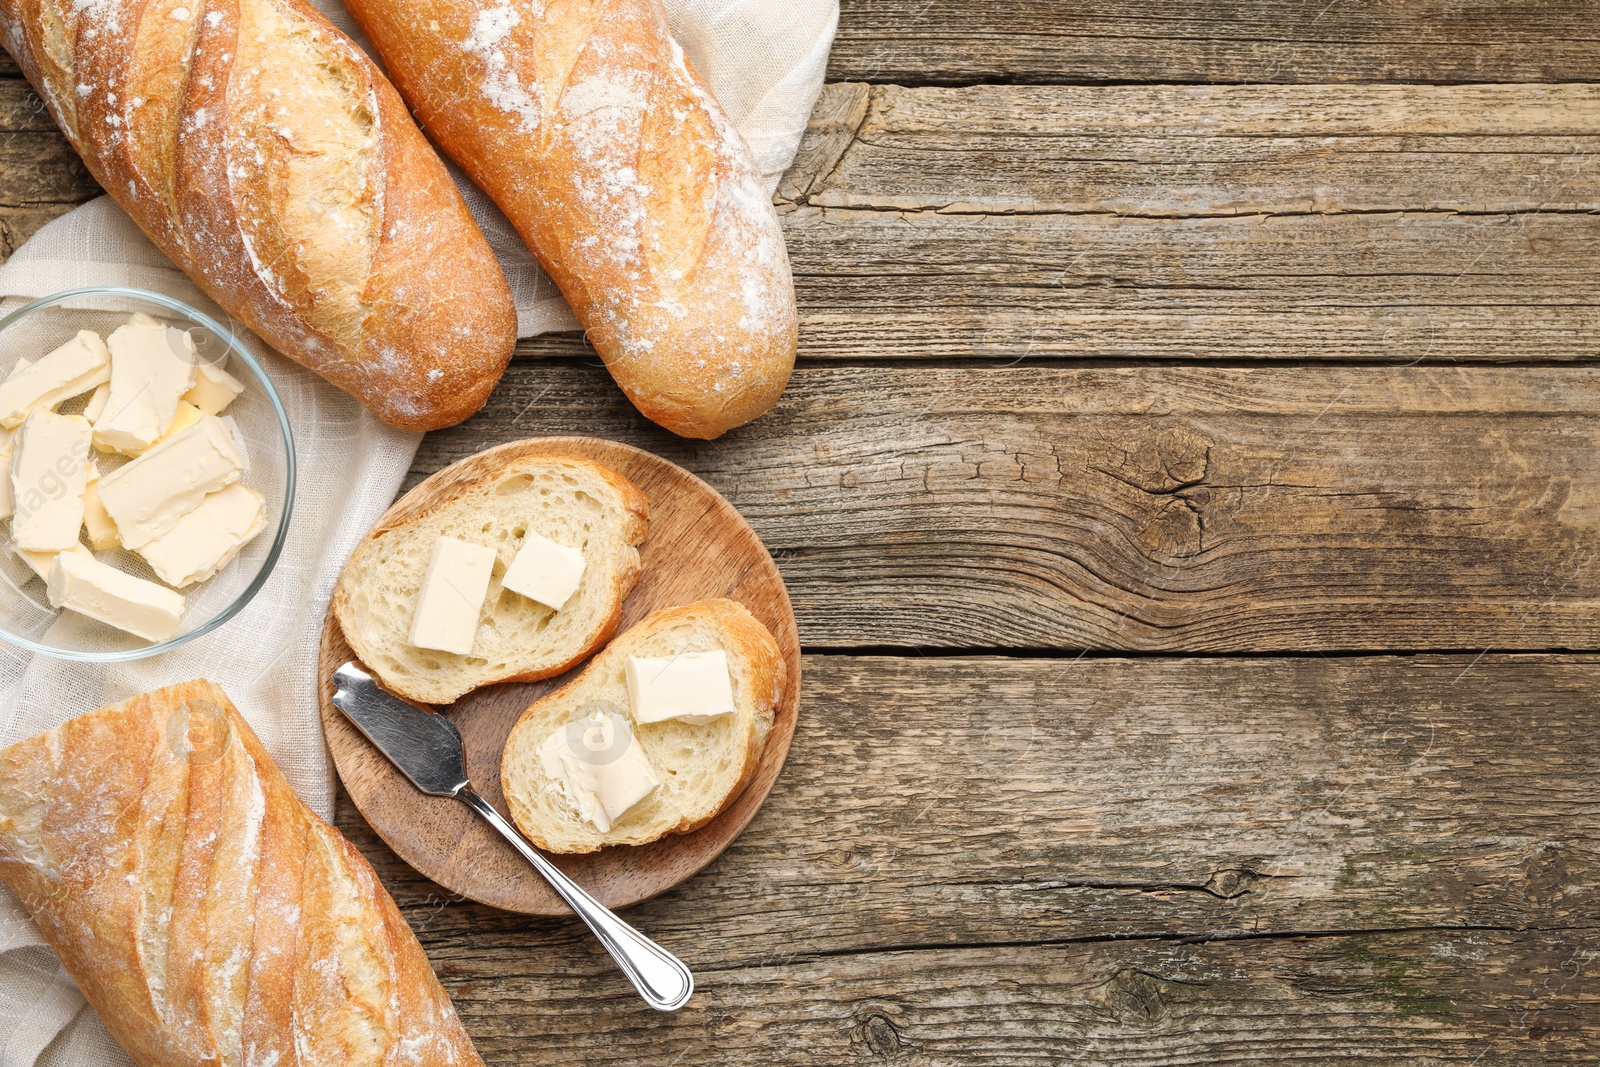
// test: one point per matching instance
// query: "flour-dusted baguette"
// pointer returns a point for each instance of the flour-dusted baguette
(208, 916)
(702, 766)
(497, 498)
(268, 157)
(587, 126)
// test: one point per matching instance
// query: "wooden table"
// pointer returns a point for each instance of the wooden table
(1250, 347)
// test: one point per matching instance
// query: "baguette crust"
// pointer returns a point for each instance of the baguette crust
(208, 916)
(265, 154)
(760, 679)
(585, 123)
(377, 625)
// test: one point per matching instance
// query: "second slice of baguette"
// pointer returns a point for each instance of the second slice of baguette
(496, 499)
(702, 767)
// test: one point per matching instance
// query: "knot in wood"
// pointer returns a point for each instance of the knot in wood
(1134, 997)
(1231, 882)
(880, 1034)
(1168, 469)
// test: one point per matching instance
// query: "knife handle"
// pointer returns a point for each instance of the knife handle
(659, 976)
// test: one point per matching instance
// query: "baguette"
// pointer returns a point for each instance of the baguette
(496, 499)
(702, 767)
(584, 122)
(206, 914)
(267, 156)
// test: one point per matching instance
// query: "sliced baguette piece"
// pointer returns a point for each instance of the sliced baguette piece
(702, 767)
(495, 498)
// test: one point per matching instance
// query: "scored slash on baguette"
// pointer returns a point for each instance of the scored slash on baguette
(702, 767)
(496, 498)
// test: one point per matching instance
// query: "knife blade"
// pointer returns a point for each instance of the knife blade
(425, 745)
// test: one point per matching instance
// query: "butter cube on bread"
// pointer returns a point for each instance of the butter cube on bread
(700, 767)
(391, 613)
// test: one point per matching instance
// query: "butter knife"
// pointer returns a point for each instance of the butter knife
(427, 749)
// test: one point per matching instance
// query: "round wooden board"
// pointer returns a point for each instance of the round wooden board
(698, 546)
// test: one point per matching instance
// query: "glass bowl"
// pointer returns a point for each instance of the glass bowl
(260, 428)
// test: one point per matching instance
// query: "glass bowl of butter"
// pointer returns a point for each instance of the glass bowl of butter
(147, 474)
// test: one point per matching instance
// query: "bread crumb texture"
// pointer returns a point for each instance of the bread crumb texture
(571, 501)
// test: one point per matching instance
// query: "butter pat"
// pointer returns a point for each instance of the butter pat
(600, 768)
(97, 401)
(89, 587)
(208, 537)
(41, 562)
(694, 687)
(544, 571)
(96, 521)
(446, 617)
(214, 389)
(8, 440)
(152, 367)
(76, 367)
(186, 416)
(48, 478)
(147, 497)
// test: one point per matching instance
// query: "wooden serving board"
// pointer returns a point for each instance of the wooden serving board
(698, 546)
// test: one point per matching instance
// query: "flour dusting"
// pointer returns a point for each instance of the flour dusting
(501, 87)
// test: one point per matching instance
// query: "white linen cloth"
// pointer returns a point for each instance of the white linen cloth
(765, 62)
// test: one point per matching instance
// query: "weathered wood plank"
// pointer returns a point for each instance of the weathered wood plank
(37, 165)
(42, 168)
(1207, 150)
(1396, 287)
(1469, 999)
(976, 278)
(1245, 824)
(1478, 999)
(1393, 223)
(1155, 508)
(1373, 287)
(21, 110)
(953, 42)
(830, 131)
(956, 42)
(1162, 797)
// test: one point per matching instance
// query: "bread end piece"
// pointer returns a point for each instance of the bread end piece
(495, 498)
(703, 767)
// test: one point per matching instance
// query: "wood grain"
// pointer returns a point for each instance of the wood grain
(1396, 223)
(1147, 508)
(37, 165)
(1176, 151)
(1299, 854)
(1381, 287)
(1394, 287)
(1330, 222)
(952, 42)
(1473, 999)
(698, 547)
